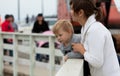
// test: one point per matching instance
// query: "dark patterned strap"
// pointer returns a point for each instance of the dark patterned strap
(86, 69)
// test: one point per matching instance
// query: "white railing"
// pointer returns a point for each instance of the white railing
(73, 67)
(30, 48)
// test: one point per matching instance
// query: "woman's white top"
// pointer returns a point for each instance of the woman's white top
(100, 52)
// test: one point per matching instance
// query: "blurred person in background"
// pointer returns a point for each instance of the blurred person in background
(27, 19)
(40, 25)
(32, 18)
(107, 8)
(14, 25)
(6, 25)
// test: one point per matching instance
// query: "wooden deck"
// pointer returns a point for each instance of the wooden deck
(42, 69)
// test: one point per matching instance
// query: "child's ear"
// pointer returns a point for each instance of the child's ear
(70, 31)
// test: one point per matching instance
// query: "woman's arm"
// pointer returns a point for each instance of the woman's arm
(93, 48)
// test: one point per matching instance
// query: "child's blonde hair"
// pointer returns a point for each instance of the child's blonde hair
(65, 25)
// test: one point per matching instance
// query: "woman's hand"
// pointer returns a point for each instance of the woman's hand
(77, 47)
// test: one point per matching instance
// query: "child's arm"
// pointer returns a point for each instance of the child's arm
(65, 58)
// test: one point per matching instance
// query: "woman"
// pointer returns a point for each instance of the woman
(96, 41)
(40, 25)
(15, 26)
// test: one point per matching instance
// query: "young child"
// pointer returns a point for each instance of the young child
(64, 33)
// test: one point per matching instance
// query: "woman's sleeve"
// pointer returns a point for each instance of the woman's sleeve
(34, 28)
(94, 47)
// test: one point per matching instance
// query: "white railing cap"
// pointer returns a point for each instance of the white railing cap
(73, 67)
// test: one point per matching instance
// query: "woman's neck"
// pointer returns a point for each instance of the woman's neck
(83, 21)
(40, 22)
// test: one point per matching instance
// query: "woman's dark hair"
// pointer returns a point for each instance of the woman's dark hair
(7, 16)
(41, 15)
(12, 16)
(88, 6)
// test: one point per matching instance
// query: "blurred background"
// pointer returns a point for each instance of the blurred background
(21, 8)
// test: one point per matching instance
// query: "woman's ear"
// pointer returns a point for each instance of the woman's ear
(81, 12)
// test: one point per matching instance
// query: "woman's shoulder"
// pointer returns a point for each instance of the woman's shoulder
(99, 28)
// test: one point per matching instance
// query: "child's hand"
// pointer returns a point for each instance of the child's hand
(65, 58)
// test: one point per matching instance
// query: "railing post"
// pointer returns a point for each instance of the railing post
(1, 55)
(52, 55)
(15, 55)
(32, 56)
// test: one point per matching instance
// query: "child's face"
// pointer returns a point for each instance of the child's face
(63, 36)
